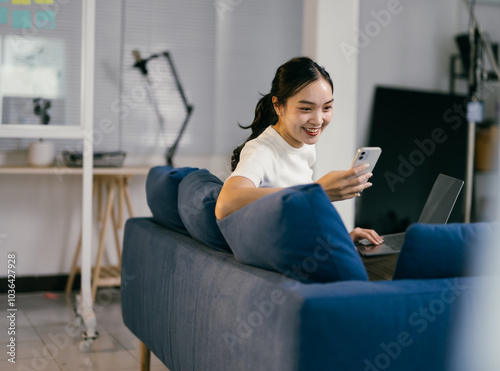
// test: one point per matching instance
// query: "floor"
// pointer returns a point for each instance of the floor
(47, 336)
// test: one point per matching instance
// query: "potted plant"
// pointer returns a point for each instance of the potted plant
(41, 153)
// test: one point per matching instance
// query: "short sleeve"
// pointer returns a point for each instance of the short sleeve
(255, 163)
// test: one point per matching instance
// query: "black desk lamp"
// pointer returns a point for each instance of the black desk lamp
(141, 64)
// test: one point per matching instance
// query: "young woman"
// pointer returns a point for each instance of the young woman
(280, 152)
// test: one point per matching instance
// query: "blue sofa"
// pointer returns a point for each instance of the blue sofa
(199, 303)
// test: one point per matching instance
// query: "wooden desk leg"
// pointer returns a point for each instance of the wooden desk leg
(145, 357)
(74, 268)
(121, 196)
(98, 191)
(116, 228)
(127, 197)
(109, 206)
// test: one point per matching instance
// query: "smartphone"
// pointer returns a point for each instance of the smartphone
(367, 155)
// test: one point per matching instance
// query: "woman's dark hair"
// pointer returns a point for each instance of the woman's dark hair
(290, 78)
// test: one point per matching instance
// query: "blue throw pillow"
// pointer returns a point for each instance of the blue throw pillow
(441, 250)
(198, 194)
(162, 186)
(296, 232)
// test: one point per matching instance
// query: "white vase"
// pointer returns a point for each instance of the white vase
(41, 153)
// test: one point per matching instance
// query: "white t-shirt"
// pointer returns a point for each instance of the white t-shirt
(269, 161)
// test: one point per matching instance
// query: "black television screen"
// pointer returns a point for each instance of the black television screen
(421, 135)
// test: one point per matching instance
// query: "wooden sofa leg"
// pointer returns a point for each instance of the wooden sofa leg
(145, 357)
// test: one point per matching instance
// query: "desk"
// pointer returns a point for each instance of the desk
(114, 181)
(380, 267)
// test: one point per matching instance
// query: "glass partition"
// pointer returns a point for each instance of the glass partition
(40, 62)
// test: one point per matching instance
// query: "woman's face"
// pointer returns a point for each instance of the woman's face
(305, 115)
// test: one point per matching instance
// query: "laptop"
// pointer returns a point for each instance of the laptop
(437, 210)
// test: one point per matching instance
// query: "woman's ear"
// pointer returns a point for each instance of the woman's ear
(277, 106)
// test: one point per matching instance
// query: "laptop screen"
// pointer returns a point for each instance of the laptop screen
(441, 200)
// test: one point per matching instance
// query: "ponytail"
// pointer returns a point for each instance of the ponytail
(265, 115)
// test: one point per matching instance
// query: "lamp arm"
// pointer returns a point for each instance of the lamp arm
(171, 151)
(177, 80)
(189, 110)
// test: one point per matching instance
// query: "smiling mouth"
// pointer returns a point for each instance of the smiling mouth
(312, 131)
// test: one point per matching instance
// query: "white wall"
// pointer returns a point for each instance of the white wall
(412, 48)
(253, 40)
(327, 25)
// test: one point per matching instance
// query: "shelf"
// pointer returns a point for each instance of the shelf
(39, 131)
(63, 170)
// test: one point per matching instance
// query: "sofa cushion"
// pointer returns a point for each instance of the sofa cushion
(198, 193)
(297, 232)
(162, 192)
(441, 250)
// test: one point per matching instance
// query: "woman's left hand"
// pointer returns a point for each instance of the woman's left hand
(372, 236)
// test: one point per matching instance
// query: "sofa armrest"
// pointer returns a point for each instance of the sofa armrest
(393, 325)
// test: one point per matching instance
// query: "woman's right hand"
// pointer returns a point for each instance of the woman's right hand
(345, 184)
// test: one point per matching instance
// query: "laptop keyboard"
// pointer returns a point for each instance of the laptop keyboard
(394, 241)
